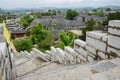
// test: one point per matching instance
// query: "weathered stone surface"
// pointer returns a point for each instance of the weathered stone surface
(54, 56)
(102, 55)
(82, 52)
(105, 38)
(96, 44)
(21, 60)
(78, 60)
(116, 61)
(79, 43)
(90, 59)
(96, 34)
(40, 54)
(114, 31)
(114, 23)
(113, 50)
(69, 57)
(70, 51)
(82, 58)
(103, 66)
(91, 49)
(98, 76)
(28, 67)
(114, 41)
(91, 55)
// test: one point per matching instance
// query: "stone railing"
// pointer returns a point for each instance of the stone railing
(99, 45)
(6, 66)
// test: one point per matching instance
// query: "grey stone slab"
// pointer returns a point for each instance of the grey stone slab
(103, 66)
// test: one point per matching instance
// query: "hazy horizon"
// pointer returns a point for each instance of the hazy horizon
(13, 4)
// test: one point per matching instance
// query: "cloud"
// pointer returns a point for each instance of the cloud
(10, 4)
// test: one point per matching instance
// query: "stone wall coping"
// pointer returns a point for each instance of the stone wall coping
(114, 23)
(80, 42)
(96, 34)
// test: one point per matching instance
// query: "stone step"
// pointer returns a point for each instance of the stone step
(66, 73)
(28, 66)
(96, 70)
(53, 69)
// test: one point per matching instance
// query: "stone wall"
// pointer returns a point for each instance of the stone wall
(6, 66)
(99, 45)
(114, 38)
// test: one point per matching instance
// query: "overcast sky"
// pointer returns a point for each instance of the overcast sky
(11, 4)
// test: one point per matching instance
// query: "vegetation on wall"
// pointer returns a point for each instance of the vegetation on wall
(66, 40)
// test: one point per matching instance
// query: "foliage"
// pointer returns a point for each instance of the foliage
(25, 43)
(84, 33)
(114, 16)
(71, 14)
(25, 20)
(90, 24)
(49, 13)
(98, 14)
(66, 40)
(37, 15)
(100, 24)
(41, 37)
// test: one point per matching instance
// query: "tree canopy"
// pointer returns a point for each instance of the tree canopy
(41, 37)
(25, 43)
(71, 14)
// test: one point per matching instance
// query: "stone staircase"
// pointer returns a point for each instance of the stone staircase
(36, 69)
(96, 59)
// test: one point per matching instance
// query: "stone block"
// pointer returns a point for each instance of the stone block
(103, 66)
(113, 50)
(79, 43)
(90, 59)
(40, 54)
(114, 23)
(68, 57)
(53, 54)
(91, 55)
(102, 55)
(82, 58)
(91, 49)
(114, 41)
(82, 52)
(70, 51)
(96, 44)
(105, 38)
(114, 31)
(96, 34)
(78, 60)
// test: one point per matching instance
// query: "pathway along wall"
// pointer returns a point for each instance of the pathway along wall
(99, 45)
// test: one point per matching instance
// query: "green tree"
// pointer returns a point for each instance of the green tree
(23, 44)
(25, 20)
(100, 24)
(41, 37)
(66, 40)
(71, 14)
(90, 24)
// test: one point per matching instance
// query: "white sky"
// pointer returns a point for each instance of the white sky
(11, 4)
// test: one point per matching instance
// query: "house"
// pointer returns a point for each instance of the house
(18, 33)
